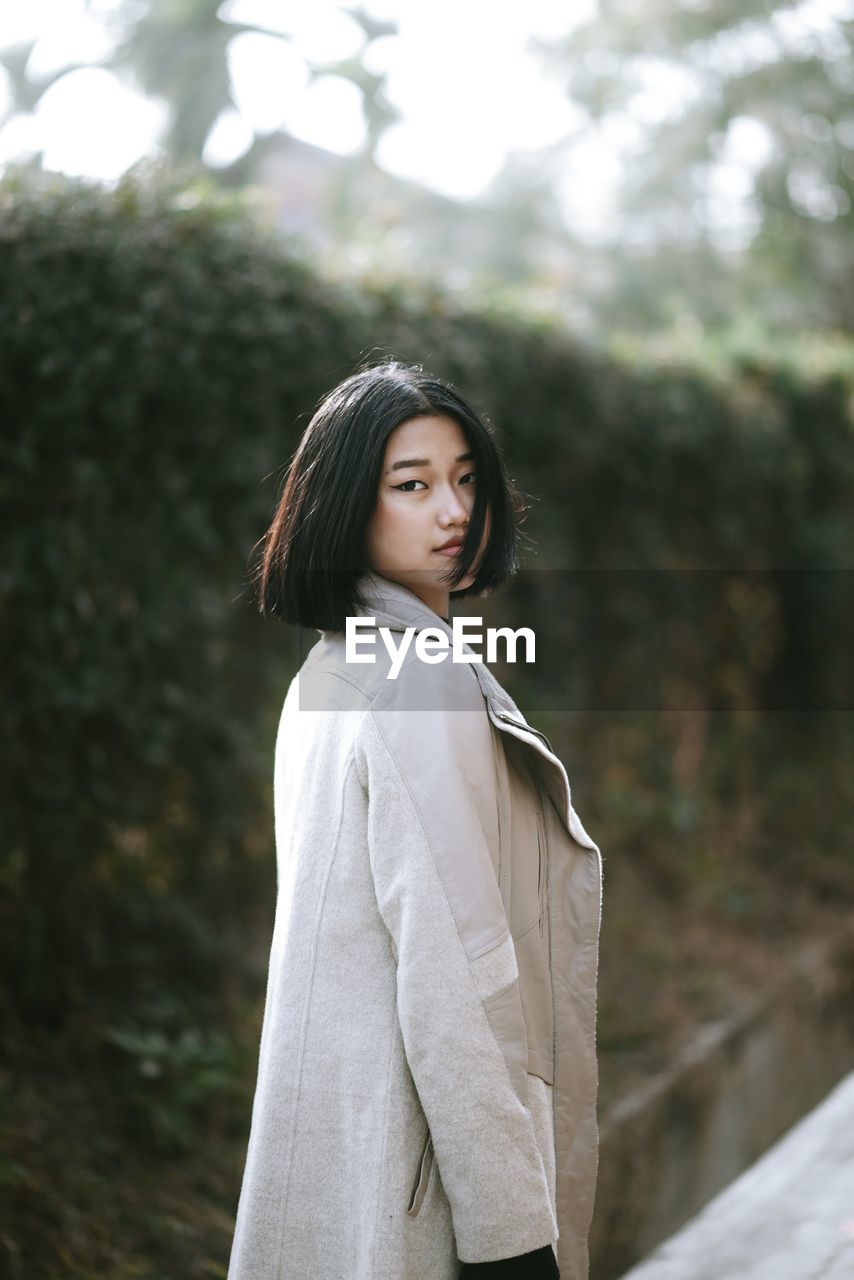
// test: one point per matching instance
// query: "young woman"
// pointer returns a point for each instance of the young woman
(425, 1106)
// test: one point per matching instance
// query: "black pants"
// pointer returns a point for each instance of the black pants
(540, 1264)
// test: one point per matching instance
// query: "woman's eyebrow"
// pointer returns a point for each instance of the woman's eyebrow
(423, 462)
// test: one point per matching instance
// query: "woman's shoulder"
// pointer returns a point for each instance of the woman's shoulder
(393, 675)
(427, 721)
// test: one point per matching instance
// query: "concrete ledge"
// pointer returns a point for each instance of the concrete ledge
(684, 1135)
(789, 1217)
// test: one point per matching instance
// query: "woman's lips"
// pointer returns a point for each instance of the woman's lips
(450, 551)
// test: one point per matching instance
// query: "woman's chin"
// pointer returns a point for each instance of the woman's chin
(431, 577)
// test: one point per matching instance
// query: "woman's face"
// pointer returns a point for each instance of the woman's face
(425, 499)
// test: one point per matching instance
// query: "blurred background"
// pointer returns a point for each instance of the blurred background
(625, 234)
(631, 165)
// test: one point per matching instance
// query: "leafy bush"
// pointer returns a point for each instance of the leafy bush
(162, 353)
(172, 1081)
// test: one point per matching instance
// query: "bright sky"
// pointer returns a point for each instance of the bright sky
(470, 92)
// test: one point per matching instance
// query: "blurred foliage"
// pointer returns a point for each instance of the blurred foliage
(171, 1080)
(178, 55)
(688, 562)
(738, 190)
(160, 358)
(736, 144)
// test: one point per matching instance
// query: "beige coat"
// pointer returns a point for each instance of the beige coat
(427, 1077)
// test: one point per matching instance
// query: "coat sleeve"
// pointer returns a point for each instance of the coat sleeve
(429, 775)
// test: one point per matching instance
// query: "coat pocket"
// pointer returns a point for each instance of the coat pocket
(422, 1180)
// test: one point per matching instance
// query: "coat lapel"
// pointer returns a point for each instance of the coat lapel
(396, 607)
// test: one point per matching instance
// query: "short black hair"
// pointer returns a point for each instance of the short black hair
(312, 552)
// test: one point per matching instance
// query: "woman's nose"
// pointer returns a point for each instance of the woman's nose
(453, 508)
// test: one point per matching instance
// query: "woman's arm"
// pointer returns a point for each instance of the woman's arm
(429, 777)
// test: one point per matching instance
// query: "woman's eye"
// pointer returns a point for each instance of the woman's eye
(470, 476)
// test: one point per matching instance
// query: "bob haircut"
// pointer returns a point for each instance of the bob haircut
(313, 550)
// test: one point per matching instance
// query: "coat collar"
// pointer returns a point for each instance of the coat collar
(400, 607)
(396, 607)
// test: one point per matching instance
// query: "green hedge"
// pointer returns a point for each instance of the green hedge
(161, 353)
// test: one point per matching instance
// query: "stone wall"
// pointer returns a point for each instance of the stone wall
(668, 1147)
